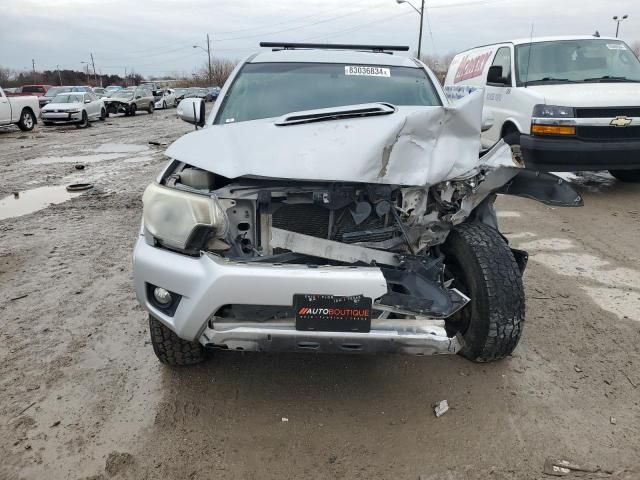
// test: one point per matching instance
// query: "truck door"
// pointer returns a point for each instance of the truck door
(498, 100)
(5, 109)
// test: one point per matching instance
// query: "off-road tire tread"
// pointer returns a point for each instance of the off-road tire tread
(171, 349)
(497, 326)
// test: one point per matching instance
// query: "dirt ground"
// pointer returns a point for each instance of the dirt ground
(82, 395)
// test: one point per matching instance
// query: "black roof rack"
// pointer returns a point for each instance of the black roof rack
(334, 46)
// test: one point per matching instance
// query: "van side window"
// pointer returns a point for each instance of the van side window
(503, 59)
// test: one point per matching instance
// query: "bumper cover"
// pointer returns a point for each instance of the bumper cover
(572, 154)
(207, 283)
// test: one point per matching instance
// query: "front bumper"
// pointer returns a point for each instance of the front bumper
(55, 117)
(550, 154)
(207, 283)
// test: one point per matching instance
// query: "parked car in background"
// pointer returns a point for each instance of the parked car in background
(165, 99)
(562, 103)
(11, 90)
(99, 91)
(129, 101)
(198, 92)
(35, 90)
(21, 111)
(214, 92)
(155, 87)
(112, 88)
(74, 107)
(51, 93)
(180, 93)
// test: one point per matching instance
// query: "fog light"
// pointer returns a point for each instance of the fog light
(162, 296)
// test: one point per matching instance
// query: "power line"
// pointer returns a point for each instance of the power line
(331, 19)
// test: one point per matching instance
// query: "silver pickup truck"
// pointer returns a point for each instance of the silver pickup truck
(21, 111)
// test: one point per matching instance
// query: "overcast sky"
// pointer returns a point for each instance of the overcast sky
(156, 37)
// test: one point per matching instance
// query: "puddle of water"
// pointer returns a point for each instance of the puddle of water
(31, 201)
(121, 148)
(100, 157)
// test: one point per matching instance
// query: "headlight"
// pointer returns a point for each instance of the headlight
(74, 110)
(553, 111)
(174, 217)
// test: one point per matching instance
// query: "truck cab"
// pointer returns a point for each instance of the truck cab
(563, 103)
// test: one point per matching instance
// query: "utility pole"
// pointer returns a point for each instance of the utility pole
(420, 38)
(33, 65)
(209, 55)
(59, 75)
(95, 78)
(125, 77)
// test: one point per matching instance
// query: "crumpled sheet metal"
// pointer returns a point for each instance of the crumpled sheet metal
(414, 146)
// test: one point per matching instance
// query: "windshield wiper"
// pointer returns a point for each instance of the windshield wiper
(610, 78)
(551, 79)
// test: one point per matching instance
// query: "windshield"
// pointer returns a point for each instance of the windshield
(67, 98)
(122, 94)
(576, 61)
(52, 92)
(265, 90)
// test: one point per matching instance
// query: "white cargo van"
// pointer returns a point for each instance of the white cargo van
(564, 103)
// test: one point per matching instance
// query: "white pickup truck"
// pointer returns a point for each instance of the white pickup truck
(22, 111)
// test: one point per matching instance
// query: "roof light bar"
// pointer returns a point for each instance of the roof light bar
(335, 46)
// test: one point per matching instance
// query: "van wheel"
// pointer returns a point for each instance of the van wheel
(171, 349)
(513, 140)
(27, 120)
(632, 176)
(483, 267)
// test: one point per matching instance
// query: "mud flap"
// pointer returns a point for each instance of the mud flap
(543, 187)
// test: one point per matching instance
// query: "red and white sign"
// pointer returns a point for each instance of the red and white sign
(471, 67)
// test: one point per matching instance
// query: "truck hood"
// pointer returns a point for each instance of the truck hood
(412, 146)
(590, 94)
(61, 106)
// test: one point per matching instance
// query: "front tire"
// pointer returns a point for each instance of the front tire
(171, 349)
(132, 110)
(103, 115)
(150, 108)
(632, 176)
(27, 120)
(484, 268)
(84, 123)
(164, 105)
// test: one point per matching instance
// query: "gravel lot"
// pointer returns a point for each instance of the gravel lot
(82, 395)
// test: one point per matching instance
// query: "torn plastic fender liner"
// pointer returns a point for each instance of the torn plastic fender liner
(543, 187)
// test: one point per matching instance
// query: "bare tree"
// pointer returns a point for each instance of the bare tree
(6, 75)
(221, 68)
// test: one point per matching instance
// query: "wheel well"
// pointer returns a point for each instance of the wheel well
(507, 128)
(30, 110)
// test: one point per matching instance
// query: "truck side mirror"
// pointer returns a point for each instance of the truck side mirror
(495, 76)
(192, 110)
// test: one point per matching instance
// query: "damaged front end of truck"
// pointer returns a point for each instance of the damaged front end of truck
(368, 228)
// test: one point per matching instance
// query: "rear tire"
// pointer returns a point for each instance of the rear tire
(27, 120)
(132, 110)
(484, 269)
(103, 115)
(171, 349)
(164, 105)
(632, 176)
(150, 108)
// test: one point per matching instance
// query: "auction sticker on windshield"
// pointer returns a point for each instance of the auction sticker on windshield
(367, 71)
